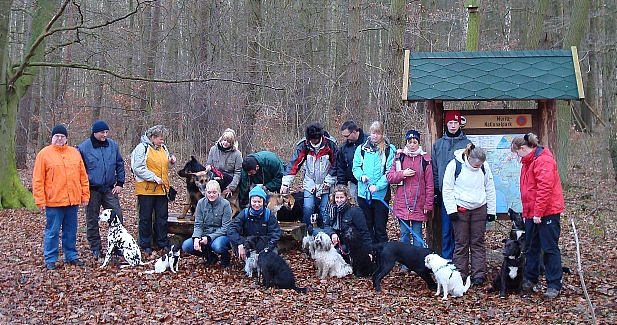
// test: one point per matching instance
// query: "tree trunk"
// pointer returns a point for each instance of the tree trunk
(353, 72)
(12, 192)
(532, 38)
(574, 34)
(250, 111)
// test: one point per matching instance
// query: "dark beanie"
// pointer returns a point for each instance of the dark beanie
(59, 129)
(99, 126)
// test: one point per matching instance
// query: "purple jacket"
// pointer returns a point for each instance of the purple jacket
(419, 188)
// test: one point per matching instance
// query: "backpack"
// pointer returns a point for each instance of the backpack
(246, 214)
(459, 165)
(387, 154)
(424, 162)
(133, 154)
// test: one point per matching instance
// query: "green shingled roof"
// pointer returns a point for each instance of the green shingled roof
(513, 75)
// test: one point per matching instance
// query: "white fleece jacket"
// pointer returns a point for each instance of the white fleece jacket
(471, 189)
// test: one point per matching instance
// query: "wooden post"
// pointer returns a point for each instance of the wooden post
(434, 123)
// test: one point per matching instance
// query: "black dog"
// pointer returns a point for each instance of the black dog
(510, 279)
(276, 272)
(386, 254)
(518, 225)
(359, 253)
(192, 190)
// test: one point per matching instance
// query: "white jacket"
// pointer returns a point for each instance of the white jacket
(471, 189)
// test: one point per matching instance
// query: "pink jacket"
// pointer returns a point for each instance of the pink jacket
(419, 188)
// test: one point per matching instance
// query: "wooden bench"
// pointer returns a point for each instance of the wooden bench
(182, 229)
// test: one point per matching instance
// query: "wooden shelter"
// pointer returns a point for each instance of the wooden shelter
(539, 76)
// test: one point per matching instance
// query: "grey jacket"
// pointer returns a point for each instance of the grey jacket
(229, 162)
(443, 152)
(212, 219)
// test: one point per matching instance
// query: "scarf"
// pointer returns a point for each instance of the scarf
(337, 213)
(97, 144)
(254, 212)
(410, 153)
(223, 149)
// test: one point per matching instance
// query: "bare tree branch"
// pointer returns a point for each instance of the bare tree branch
(136, 78)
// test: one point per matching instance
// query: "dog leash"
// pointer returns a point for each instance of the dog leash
(416, 236)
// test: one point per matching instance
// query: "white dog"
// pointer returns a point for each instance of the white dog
(170, 261)
(329, 262)
(119, 239)
(308, 245)
(447, 277)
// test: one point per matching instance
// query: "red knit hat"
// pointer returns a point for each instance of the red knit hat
(452, 116)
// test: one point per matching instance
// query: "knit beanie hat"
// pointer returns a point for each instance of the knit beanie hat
(412, 134)
(59, 129)
(258, 191)
(452, 116)
(99, 126)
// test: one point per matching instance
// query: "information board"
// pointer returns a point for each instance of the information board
(506, 168)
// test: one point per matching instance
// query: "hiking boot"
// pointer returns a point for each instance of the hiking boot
(50, 266)
(76, 262)
(148, 250)
(551, 293)
(527, 285)
(96, 253)
(477, 281)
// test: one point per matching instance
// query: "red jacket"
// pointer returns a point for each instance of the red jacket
(419, 188)
(541, 192)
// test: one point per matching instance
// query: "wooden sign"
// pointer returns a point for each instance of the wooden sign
(513, 121)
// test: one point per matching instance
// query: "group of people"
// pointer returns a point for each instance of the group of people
(350, 185)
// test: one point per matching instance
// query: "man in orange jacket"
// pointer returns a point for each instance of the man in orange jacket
(60, 184)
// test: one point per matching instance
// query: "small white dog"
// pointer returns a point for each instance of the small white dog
(447, 277)
(308, 245)
(329, 262)
(170, 261)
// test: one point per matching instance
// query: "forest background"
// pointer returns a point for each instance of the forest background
(267, 69)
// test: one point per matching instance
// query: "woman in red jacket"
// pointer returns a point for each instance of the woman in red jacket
(542, 199)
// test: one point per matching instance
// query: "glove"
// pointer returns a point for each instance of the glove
(490, 218)
(437, 199)
(453, 216)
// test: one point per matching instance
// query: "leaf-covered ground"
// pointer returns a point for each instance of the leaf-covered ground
(210, 295)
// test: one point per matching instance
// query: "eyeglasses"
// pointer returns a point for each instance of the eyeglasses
(346, 135)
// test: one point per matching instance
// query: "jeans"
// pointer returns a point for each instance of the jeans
(447, 232)
(65, 218)
(376, 214)
(219, 245)
(309, 206)
(98, 199)
(406, 235)
(149, 232)
(353, 190)
(545, 237)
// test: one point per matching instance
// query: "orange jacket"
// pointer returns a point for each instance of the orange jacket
(59, 178)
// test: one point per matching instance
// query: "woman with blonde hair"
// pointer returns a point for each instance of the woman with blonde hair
(542, 198)
(225, 157)
(342, 213)
(370, 163)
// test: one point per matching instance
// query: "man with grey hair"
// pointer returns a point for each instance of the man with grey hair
(150, 162)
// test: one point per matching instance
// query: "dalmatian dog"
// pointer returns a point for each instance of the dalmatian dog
(167, 261)
(119, 239)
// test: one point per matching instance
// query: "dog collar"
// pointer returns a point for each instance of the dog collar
(445, 265)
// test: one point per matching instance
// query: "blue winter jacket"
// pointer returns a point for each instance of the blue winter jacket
(104, 164)
(371, 164)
